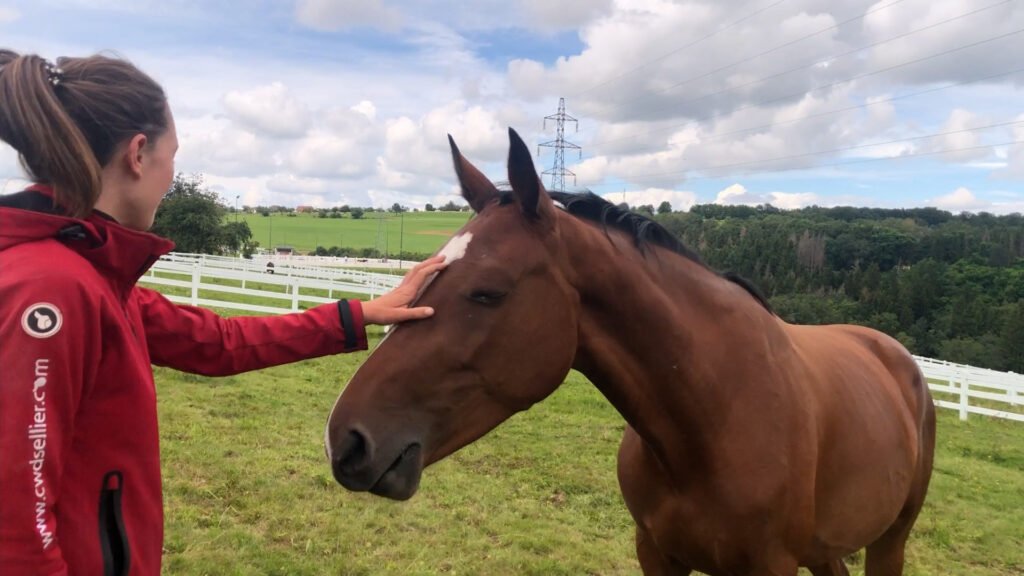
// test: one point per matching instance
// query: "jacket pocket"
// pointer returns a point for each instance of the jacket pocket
(113, 540)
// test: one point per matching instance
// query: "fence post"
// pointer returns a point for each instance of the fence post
(1014, 400)
(196, 275)
(295, 297)
(964, 399)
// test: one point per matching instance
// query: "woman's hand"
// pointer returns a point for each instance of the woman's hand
(392, 308)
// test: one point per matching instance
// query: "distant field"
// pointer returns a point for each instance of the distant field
(423, 232)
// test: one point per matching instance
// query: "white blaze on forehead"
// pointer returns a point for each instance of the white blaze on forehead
(454, 250)
(456, 247)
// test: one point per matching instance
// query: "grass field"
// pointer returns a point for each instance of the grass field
(249, 491)
(422, 232)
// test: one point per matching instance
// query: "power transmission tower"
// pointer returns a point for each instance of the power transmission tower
(558, 171)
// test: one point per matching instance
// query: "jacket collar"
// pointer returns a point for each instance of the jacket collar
(120, 253)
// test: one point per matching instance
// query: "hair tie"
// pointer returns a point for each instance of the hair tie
(54, 75)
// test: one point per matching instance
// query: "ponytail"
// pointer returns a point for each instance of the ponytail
(66, 122)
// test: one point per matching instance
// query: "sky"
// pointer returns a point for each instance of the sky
(895, 103)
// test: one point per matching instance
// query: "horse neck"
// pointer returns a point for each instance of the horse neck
(657, 333)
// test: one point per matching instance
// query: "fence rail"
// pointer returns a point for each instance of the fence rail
(199, 272)
(1002, 393)
(956, 386)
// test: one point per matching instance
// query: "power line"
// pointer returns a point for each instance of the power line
(852, 162)
(836, 56)
(681, 48)
(817, 88)
(838, 150)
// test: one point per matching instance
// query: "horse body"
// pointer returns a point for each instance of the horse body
(752, 446)
(726, 479)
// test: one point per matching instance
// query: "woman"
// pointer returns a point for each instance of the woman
(80, 488)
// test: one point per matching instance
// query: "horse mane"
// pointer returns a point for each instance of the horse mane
(643, 230)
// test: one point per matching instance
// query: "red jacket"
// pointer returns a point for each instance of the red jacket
(80, 488)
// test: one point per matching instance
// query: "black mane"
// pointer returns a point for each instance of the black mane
(643, 230)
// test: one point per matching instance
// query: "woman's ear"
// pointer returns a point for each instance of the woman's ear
(134, 153)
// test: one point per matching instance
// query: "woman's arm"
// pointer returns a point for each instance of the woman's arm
(197, 340)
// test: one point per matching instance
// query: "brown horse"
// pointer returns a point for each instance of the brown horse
(753, 446)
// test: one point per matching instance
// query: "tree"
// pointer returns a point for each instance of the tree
(193, 217)
(1013, 339)
(665, 207)
(645, 209)
(397, 208)
(357, 213)
(237, 237)
(429, 207)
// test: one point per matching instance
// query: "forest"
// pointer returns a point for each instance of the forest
(947, 286)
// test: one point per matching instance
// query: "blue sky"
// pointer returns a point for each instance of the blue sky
(328, 102)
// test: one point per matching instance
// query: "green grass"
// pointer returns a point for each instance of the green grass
(422, 232)
(249, 491)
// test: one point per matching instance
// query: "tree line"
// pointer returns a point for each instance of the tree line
(947, 286)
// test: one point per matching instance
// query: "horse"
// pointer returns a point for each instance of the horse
(752, 446)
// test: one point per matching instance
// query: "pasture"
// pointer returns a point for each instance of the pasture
(421, 232)
(248, 489)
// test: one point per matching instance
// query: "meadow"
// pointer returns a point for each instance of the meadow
(249, 490)
(420, 232)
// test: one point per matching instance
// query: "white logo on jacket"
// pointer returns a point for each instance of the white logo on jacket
(41, 320)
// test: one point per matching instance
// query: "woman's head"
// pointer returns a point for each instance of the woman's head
(89, 125)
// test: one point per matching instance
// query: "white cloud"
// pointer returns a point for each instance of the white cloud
(341, 14)
(325, 155)
(679, 199)
(556, 14)
(959, 200)
(9, 14)
(957, 135)
(11, 185)
(792, 200)
(737, 194)
(366, 108)
(269, 109)
(964, 200)
(217, 146)
(1014, 155)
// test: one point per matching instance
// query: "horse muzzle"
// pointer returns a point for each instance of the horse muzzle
(360, 465)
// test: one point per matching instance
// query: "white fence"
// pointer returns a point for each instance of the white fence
(1001, 392)
(969, 383)
(333, 261)
(201, 273)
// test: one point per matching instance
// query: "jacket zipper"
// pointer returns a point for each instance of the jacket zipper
(113, 540)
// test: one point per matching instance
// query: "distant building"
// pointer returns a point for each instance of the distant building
(284, 250)
(302, 209)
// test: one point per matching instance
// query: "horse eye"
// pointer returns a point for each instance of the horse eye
(487, 297)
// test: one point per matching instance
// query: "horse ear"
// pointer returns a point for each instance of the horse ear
(526, 185)
(476, 188)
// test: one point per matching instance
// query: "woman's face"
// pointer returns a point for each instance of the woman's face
(155, 176)
(133, 195)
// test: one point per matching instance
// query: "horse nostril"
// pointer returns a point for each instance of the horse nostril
(352, 454)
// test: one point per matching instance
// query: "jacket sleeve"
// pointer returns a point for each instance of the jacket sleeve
(49, 348)
(197, 340)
